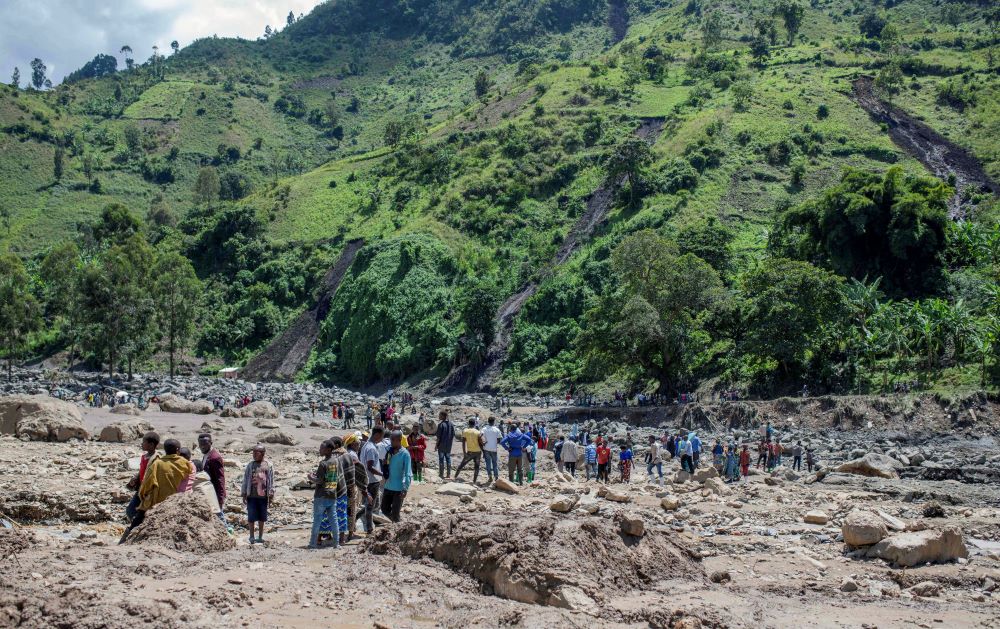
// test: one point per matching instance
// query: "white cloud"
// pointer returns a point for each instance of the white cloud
(68, 33)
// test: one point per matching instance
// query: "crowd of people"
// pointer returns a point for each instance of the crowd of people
(369, 472)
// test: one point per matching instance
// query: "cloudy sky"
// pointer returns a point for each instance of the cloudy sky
(68, 33)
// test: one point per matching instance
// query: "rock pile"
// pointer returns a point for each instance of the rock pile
(549, 560)
(183, 522)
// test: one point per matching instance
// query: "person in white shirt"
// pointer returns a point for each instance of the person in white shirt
(491, 438)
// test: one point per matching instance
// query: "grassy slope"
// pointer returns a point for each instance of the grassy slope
(412, 76)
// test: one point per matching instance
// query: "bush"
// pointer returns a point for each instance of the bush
(822, 112)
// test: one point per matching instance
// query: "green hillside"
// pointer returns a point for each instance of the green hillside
(471, 143)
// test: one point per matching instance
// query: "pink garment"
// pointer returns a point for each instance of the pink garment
(187, 484)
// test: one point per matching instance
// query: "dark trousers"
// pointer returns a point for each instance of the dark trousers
(392, 502)
(686, 463)
(797, 463)
(136, 521)
(444, 461)
(371, 501)
(571, 468)
(694, 461)
(475, 457)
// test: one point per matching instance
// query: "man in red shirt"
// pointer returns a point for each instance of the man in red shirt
(603, 460)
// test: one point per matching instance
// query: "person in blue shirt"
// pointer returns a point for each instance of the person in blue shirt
(695, 450)
(626, 463)
(399, 478)
(717, 451)
(590, 459)
(514, 444)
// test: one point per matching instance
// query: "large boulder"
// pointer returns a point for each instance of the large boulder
(126, 409)
(173, 404)
(277, 437)
(862, 528)
(872, 464)
(125, 431)
(564, 504)
(456, 489)
(702, 474)
(260, 409)
(920, 547)
(502, 484)
(41, 418)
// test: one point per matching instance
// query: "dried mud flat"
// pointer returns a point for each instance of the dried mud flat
(709, 554)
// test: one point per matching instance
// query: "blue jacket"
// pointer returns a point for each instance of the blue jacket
(695, 443)
(515, 442)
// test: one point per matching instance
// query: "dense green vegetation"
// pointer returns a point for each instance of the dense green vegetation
(770, 236)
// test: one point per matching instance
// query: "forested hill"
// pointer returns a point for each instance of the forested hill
(635, 194)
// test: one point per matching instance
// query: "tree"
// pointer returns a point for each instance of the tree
(101, 65)
(117, 224)
(126, 50)
(20, 314)
(627, 160)
(888, 80)
(268, 32)
(38, 70)
(789, 304)
(60, 274)
(482, 84)
(872, 23)
(655, 312)
(206, 186)
(175, 46)
(791, 13)
(402, 131)
(478, 312)
(117, 302)
(712, 30)
(58, 161)
(176, 290)
(291, 18)
(133, 139)
(15, 79)
(710, 240)
(890, 38)
(742, 92)
(760, 50)
(873, 225)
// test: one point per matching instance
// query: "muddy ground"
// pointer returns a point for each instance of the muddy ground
(716, 555)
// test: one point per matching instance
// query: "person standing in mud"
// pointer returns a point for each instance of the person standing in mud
(570, 456)
(444, 440)
(491, 441)
(603, 461)
(797, 456)
(213, 465)
(472, 450)
(625, 463)
(352, 443)
(398, 481)
(257, 490)
(371, 461)
(810, 459)
(557, 451)
(590, 460)
(327, 479)
(745, 461)
(654, 460)
(762, 453)
(417, 444)
(513, 443)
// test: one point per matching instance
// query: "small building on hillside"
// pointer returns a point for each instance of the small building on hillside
(231, 373)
